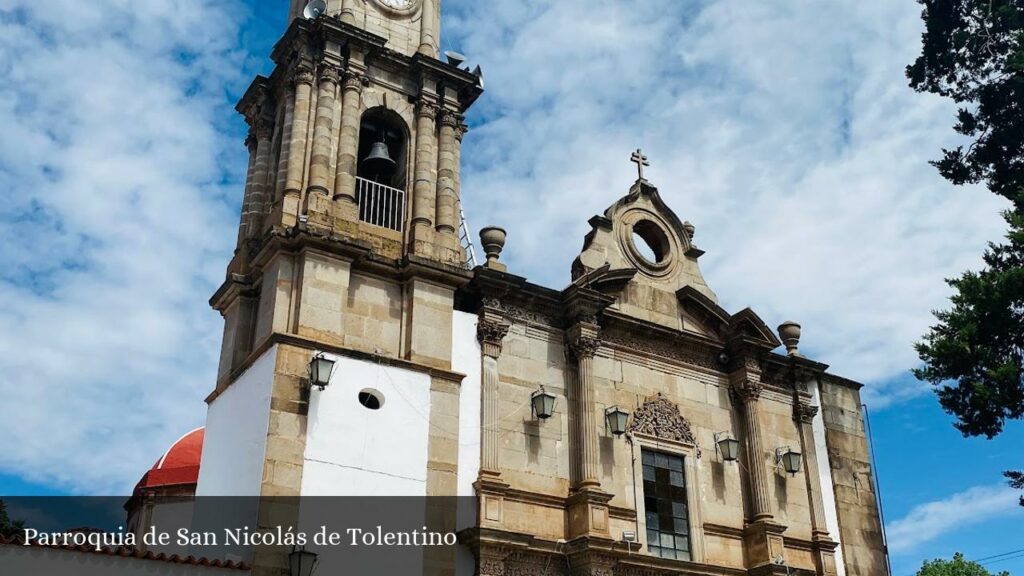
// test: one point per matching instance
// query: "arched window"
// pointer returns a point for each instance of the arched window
(383, 149)
(382, 169)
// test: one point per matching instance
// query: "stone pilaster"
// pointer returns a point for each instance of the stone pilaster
(446, 169)
(323, 132)
(348, 144)
(348, 13)
(491, 330)
(460, 133)
(583, 344)
(746, 388)
(588, 504)
(763, 535)
(428, 28)
(425, 173)
(302, 80)
(243, 222)
(260, 192)
(285, 149)
(824, 546)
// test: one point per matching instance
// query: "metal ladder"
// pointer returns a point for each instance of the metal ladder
(466, 241)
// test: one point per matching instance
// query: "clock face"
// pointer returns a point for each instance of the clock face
(398, 4)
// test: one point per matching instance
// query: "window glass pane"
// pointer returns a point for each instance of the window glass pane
(680, 525)
(679, 509)
(665, 510)
(649, 473)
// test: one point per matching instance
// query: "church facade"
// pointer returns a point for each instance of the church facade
(623, 425)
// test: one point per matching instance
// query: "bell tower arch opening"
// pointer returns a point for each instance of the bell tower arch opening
(382, 168)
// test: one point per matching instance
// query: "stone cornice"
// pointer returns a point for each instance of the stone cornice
(313, 345)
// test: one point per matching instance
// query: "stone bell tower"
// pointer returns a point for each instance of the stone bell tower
(354, 148)
(348, 242)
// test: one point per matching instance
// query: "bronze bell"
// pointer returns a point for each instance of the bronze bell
(379, 161)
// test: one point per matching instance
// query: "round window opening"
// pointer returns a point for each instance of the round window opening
(650, 241)
(371, 399)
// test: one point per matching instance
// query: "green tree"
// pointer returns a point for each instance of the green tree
(973, 53)
(9, 527)
(955, 567)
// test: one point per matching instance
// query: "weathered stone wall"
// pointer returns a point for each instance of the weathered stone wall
(856, 501)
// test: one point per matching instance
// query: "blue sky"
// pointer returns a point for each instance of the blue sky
(784, 131)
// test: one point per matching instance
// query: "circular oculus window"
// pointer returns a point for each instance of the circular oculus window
(401, 7)
(647, 244)
(371, 399)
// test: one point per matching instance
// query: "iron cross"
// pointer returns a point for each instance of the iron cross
(641, 161)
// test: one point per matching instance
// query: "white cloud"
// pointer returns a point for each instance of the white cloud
(115, 223)
(785, 132)
(933, 519)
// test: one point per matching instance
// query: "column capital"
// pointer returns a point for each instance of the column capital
(746, 390)
(329, 73)
(584, 338)
(491, 330)
(354, 80)
(301, 74)
(461, 130)
(427, 108)
(804, 413)
(451, 119)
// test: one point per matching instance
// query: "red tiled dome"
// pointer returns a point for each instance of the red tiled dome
(179, 465)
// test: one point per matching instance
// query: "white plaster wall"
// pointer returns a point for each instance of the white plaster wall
(466, 360)
(236, 433)
(51, 562)
(828, 493)
(354, 451)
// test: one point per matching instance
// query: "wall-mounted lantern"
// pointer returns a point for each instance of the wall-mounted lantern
(543, 404)
(320, 369)
(616, 418)
(789, 458)
(727, 446)
(301, 562)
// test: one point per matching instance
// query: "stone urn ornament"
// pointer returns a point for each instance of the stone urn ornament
(789, 333)
(493, 240)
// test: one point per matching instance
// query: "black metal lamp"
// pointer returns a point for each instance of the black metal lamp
(301, 562)
(616, 418)
(320, 369)
(789, 458)
(543, 404)
(727, 446)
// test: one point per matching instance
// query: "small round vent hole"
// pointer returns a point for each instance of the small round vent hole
(371, 399)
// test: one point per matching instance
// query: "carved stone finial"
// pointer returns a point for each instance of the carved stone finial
(660, 417)
(690, 229)
(493, 240)
(789, 333)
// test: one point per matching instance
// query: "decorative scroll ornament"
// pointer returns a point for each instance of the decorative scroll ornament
(660, 417)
